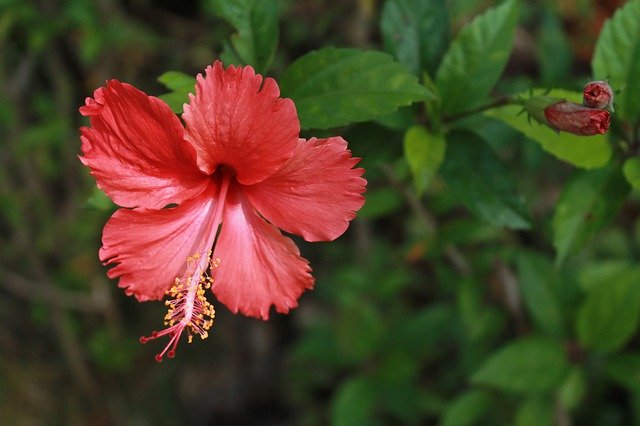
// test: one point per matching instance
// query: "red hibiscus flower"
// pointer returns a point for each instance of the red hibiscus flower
(211, 195)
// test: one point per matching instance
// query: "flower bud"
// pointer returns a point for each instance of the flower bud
(598, 94)
(577, 119)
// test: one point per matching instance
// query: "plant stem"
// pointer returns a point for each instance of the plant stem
(497, 103)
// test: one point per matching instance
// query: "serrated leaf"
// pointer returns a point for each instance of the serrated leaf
(333, 87)
(180, 85)
(537, 278)
(529, 365)
(424, 152)
(476, 58)
(631, 170)
(467, 409)
(609, 316)
(582, 151)
(617, 58)
(477, 177)
(589, 200)
(416, 32)
(256, 41)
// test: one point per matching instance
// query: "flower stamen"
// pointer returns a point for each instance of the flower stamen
(188, 307)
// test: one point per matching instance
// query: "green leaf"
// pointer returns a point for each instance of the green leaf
(536, 410)
(354, 403)
(416, 32)
(482, 182)
(476, 58)
(624, 369)
(582, 151)
(617, 58)
(180, 85)
(532, 364)
(424, 152)
(467, 409)
(333, 87)
(400, 119)
(98, 200)
(537, 281)
(381, 202)
(589, 200)
(594, 273)
(176, 80)
(574, 388)
(609, 316)
(554, 53)
(631, 170)
(359, 331)
(424, 331)
(256, 41)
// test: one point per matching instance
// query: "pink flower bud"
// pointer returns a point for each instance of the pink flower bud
(598, 94)
(577, 119)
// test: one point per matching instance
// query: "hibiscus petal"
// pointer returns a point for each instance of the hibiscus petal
(316, 193)
(136, 150)
(258, 266)
(150, 247)
(232, 121)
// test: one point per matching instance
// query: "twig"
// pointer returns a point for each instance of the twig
(497, 103)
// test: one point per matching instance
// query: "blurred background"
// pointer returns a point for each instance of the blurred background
(407, 304)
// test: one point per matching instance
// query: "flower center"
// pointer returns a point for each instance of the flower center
(188, 307)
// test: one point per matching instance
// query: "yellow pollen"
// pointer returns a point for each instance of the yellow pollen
(188, 309)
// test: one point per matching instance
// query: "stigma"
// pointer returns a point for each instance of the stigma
(188, 308)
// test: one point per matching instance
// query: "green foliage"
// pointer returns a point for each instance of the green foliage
(424, 152)
(624, 369)
(554, 51)
(529, 365)
(354, 403)
(381, 202)
(180, 85)
(476, 58)
(467, 409)
(333, 87)
(585, 152)
(617, 58)
(587, 203)
(99, 200)
(574, 389)
(609, 316)
(257, 37)
(536, 410)
(416, 32)
(538, 284)
(480, 180)
(631, 170)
